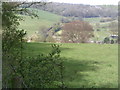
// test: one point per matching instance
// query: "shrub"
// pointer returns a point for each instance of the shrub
(43, 71)
(112, 41)
(106, 40)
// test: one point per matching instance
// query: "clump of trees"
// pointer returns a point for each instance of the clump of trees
(77, 32)
(42, 34)
(42, 71)
(80, 10)
(106, 40)
(45, 34)
(111, 40)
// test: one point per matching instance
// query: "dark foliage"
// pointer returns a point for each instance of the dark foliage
(43, 71)
(107, 40)
(22, 72)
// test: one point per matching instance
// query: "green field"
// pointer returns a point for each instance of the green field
(86, 65)
(45, 19)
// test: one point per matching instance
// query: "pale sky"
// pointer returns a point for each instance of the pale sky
(91, 2)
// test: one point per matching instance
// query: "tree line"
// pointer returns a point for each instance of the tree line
(80, 10)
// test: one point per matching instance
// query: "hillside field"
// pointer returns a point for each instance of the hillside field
(48, 19)
(86, 65)
(45, 19)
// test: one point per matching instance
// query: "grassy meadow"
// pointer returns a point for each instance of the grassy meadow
(86, 65)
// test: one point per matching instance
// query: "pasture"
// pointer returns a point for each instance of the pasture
(45, 19)
(86, 65)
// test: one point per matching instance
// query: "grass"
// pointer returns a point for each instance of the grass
(46, 19)
(86, 65)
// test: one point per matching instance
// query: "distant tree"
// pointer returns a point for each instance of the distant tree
(112, 41)
(42, 34)
(106, 40)
(77, 32)
(46, 34)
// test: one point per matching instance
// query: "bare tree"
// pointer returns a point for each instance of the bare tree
(77, 32)
(43, 34)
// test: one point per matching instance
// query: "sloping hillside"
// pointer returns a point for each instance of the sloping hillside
(46, 19)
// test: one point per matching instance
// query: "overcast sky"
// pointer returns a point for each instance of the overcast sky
(91, 2)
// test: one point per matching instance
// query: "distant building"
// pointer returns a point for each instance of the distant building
(114, 36)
